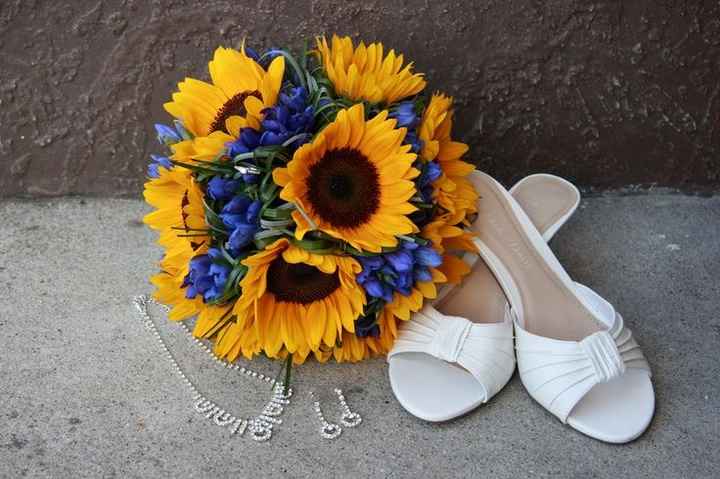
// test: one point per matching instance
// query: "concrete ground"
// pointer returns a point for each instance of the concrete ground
(85, 393)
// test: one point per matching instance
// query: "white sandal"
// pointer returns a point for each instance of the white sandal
(443, 365)
(575, 355)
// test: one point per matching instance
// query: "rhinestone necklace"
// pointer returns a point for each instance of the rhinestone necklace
(259, 427)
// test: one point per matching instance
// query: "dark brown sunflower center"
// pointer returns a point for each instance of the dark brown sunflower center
(299, 283)
(234, 106)
(344, 188)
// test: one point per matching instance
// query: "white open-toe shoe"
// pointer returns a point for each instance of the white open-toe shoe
(457, 353)
(575, 355)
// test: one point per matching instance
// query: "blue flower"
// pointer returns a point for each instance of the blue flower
(249, 140)
(241, 216)
(157, 162)
(412, 139)
(290, 117)
(377, 289)
(422, 274)
(397, 271)
(222, 189)
(400, 260)
(367, 326)
(252, 53)
(405, 115)
(430, 172)
(166, 135)
(426, 256)
(207, 276)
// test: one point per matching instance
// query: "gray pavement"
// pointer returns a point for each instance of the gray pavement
(85, 393)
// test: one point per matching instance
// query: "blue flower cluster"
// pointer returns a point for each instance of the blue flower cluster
(207, 276)
(209, 272)
(241, 216)
(384, 274)
(290, 117)
(406, 117)
(430, 171)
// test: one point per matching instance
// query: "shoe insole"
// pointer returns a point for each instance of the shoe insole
(546, 199)
(550, 306)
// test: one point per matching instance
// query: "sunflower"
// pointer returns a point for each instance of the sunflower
(239, 91)
(353, 181)
(363, 73)
(454, 191)
(293, 301)
(180, 219)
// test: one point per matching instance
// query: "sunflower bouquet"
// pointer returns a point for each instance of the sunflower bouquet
(308, 202)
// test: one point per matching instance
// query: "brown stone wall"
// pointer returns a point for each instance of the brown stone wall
(608, 94)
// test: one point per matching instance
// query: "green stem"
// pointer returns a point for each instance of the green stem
(244, 156)
(296, 137)
(288, 368)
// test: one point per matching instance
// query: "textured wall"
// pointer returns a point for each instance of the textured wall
(606, 93)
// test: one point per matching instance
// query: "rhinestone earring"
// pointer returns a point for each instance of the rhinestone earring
(348, 418)
(328, 430)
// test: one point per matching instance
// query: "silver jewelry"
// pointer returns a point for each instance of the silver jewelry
(260, 427)
(221, 362)
(348, 418)
(328, 430)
